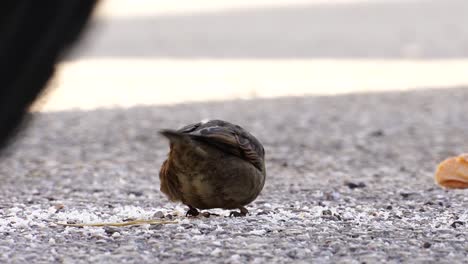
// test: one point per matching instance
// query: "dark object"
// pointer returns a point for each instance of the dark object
(33, 35)
(213, 165)
(109, 230)
(457, 224)
(377, 133)
(329, 215)
(427, 245)
(191, 211)
(406, 194)
(353, 185)
(136, 193)
(327, 212)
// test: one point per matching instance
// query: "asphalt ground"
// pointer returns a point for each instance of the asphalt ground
(350, 180)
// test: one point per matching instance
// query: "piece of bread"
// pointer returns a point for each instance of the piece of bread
(453, 172)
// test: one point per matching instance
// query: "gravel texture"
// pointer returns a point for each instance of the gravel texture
(350, 180)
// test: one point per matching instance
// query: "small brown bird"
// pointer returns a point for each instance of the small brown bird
(213, 164)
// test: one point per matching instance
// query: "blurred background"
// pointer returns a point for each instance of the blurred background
(175, 51)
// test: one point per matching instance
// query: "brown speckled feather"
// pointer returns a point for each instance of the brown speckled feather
(169, 183)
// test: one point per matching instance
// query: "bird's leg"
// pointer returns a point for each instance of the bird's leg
(192, 211)
(243, 212)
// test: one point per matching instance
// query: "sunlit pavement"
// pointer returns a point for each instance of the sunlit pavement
(164, 52)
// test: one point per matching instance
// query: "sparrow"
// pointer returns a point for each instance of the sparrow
(213, 164)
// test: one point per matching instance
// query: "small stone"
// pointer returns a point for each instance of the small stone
(353, 185)
(406, 194)
(337, 216)
(332, 196)
(327, 212)
(186, 226)
(59, 207)
(136, 193)
(101, 241)
(110, 230)
(377, 133)
(457, 224)
(292, 254)
(389, 207)
(263, 213)
(427, 245)
(155, 227)
(158, 215)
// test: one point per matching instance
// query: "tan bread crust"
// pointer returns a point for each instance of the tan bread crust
(452, 173)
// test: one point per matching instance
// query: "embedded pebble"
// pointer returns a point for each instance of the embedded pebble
(158, 214)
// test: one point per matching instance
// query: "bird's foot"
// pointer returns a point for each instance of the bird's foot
(208, 214)
(236, 214)
(243, 212)
(192, 212)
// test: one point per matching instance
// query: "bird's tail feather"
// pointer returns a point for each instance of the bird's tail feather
(180, 139)
(173, 135)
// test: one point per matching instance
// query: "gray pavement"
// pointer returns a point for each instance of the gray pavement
(350, 180)
(392, 29)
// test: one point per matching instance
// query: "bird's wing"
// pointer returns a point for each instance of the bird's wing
(189, 128)
(230, 139)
